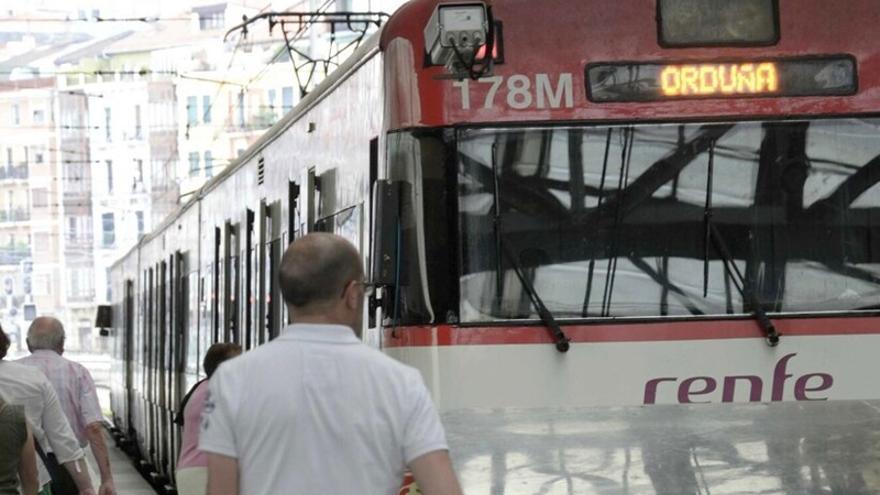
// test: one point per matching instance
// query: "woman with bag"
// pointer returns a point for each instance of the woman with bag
(192, 465)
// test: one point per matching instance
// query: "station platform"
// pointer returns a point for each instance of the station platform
(127, 479)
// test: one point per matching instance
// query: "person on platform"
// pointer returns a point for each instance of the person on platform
(18, 459)
(316, 410)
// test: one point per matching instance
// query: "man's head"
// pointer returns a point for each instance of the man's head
(218, 353)
(4, 343)
(321, 279)
(46, 333)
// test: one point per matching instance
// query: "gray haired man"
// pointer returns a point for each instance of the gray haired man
(76, 391)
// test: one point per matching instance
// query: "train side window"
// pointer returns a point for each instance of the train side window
(250, 281)
(313, 200)
(194, 294)
(217, 285)
(292, 208)
(231, 281)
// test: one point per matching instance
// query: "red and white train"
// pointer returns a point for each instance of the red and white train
(633, 246)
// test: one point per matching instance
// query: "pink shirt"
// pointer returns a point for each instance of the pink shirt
(75, 389)
(190, 455)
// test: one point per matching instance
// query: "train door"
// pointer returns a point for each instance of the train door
(179, 303)
(163, 318)
(151, 352)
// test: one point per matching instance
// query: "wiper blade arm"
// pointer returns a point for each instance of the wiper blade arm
(758, 312)
(563, 343)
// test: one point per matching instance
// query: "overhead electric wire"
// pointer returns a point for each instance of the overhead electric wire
(147, 19)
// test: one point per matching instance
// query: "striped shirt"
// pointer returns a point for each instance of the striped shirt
(75, 388)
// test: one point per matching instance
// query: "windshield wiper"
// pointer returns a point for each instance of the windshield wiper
(758, 312)
(559, 338)
(563, 343)
(713, 236)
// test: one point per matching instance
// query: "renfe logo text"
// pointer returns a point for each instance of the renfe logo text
(707, 389)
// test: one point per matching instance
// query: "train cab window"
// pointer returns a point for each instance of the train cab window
(611, 221)
(426, 265)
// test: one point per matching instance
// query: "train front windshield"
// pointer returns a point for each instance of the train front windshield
(669, 219)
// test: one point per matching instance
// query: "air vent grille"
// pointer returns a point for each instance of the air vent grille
(261, 171)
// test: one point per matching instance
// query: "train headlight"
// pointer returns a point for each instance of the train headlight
(718, 22)
(455, 34)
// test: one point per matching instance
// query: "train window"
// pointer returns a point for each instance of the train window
(270, 239)
(292, 206)
(232, 285)
(194, 294)
(718, 22)
(346, 223)
(611, 221)
(218, 285)
(313, 200)
(206, 318)
(420, 161)
(273, 306)
(249, 285)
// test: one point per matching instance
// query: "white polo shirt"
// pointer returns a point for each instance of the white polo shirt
(318, 412)
(28, 387)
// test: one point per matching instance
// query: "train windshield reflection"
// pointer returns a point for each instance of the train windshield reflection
(612, 221)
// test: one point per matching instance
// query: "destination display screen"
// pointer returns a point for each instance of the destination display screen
(654, 81)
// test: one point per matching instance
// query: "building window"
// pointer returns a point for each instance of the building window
(209, 164)
(16, 115)
(109, 176)
(108, 229)
(192, 111)
(240, 109)
(9, 157)
(343, 5)
(38, 155)
(194, 164)
(39, 116)
(40, 197)
(270, 101)
(286, 99)
(211, 19)
(140, 223)
(206, 109)
(71, 227)
(239, 152)
(137, 122)
(109, 285)
(138, 175)
(107, 121)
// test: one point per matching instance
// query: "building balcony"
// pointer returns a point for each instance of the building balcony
(14, 255)
(81, 296)
(15, 215)
(14, 172)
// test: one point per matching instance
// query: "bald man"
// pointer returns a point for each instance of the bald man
(316, 410)
(76, 392)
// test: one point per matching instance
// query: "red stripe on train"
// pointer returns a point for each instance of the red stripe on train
(448, 335)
